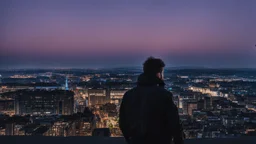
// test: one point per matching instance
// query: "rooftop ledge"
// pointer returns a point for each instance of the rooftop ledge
(110, 140)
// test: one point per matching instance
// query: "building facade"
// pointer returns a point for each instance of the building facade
(191, 106)
(44, 102)
(116, 96)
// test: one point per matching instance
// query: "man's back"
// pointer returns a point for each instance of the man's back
(148, 113)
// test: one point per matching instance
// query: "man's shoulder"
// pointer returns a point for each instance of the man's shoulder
(130, 91)
(164, 91)
(160, 90)
(128, 94)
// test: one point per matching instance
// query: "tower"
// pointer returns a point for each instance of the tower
(66, 84)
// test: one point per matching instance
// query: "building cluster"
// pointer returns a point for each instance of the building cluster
(214, 106)
(211, 103)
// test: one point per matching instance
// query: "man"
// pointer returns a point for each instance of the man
(147, 112)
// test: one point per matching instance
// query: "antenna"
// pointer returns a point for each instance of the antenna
(66, 83)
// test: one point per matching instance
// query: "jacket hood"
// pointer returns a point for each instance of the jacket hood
(149, 80)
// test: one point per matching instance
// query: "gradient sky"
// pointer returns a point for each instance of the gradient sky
(104, 33)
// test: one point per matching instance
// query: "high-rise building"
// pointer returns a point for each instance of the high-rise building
(184, 106)
(180, 104)
(191, 106)
(6, 105)
(44, 102)
(9, 129)
(98, 96)
(116, 96)
(207, 102)
(66, 84)
(183, 102)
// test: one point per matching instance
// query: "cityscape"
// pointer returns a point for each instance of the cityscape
(91, 71)
(212, 103)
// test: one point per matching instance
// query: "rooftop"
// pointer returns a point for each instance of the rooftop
(109, 140)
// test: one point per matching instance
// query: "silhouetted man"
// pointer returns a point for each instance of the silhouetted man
(147, 113)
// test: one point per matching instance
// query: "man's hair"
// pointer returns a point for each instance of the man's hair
(153, 65)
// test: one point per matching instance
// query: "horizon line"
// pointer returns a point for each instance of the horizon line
(120, 67)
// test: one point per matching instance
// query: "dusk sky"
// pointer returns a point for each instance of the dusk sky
(106, 33)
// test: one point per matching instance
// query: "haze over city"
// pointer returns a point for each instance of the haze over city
(109, 33)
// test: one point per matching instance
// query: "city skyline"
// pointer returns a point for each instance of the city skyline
(212, 103)
(114, 33)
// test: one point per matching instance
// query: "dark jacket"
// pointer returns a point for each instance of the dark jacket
(148, 114)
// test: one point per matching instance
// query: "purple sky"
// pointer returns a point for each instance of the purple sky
(103, 33)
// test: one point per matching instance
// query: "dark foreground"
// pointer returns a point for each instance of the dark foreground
(109, 140)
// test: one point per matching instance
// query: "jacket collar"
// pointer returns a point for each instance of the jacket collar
(149, 80)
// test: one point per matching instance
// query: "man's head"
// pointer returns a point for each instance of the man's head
(154, 66)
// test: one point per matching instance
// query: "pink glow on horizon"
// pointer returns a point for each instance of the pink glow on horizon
(47, 28)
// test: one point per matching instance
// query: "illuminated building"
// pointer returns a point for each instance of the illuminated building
(184, 98)
(210, 91)
(66, 84)
(98, 96)
(62, 129)
(191, 106)
(44, 102)
(5, 89)
(116, 96)
(7, 106)
(180, 105)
